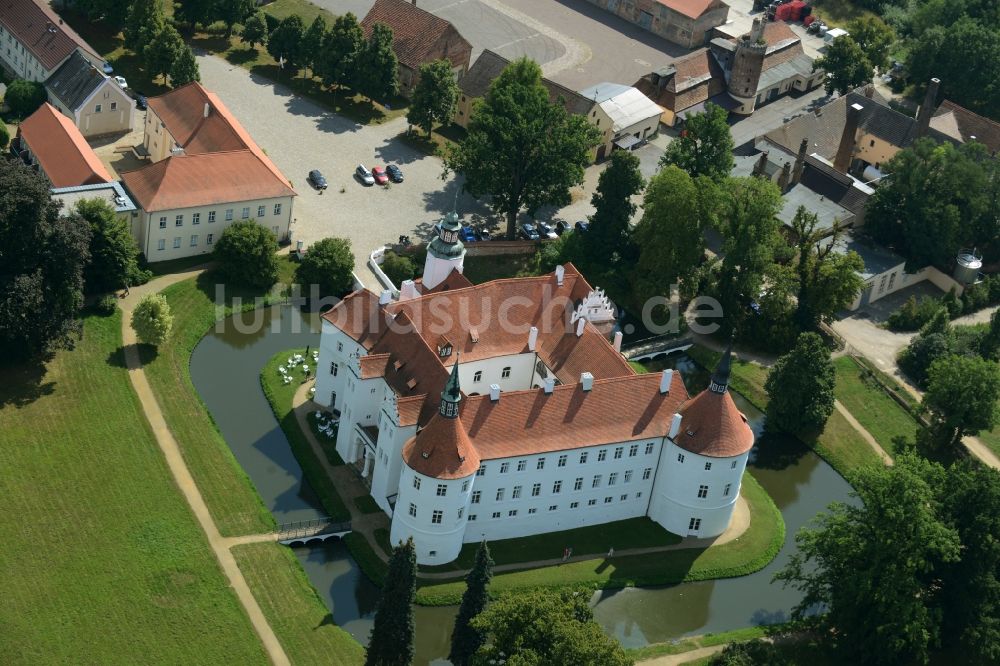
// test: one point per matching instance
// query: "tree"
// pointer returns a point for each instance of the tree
(874, 38)
(161, 53)
(989, 345)
(546, 627)
(312, 43)
(398, 268)
(435, 97)
(152, 319)
(4, 136)
(376, 75)
(114, 256)
(670, 234)
(521, 149)
(329, 263)
(194, 11)
(24, 97)
(466, 639)
(245, 254)
(846, 65)
(962, 394)
(143, 22)
(936, 199)
(391, 640)
(750, 653)
(800, 388)
(917, 358)
(286, 41)
(828, 280)
(608, 241)
(185, 68)
(705, 146)
(872, 564)
(111, 12)
(255, 30)
(342, 47)
(232, 12)
(41, 274)
(749, 215)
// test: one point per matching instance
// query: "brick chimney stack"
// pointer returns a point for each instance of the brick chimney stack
(927, 108)
(800, 162)
(760, 168)
(845, 152)
(784, 177)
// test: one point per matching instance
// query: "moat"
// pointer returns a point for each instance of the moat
(225, 370)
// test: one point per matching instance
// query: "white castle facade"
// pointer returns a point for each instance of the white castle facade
(503, 410)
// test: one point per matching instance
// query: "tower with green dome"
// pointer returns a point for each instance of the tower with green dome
(445, 252)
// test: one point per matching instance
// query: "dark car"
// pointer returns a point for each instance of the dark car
(581, 226)
(482, 234)
(140, 102)
(545, 231)
(561, 227)
(529, 232)
(317, 180)
(395, 173)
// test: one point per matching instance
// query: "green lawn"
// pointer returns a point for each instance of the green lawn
(991, 439)
(481, 269)
(882, 416)
(298, 616)
(232, 499)
(751, 552)
(366, 504)
(280, 9)
(103, 562)
(178, 265)
(279, 395)
(696, 642)
(747, 378)
(838, 13)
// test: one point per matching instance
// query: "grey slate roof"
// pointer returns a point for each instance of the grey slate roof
(801, 65)
(877, 259)
(488, 66)
(74, 81)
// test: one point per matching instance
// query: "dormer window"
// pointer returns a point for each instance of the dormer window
(444, 350)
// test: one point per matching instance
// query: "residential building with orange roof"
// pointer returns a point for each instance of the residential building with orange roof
(205, 172)
(51, 140)
(685, 22)
(505, 409)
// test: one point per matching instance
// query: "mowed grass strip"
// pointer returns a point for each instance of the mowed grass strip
(882, 416)
(235, 505)
(102, 561)
(298, 616)
(750, 553)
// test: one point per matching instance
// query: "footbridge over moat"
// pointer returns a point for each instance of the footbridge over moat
(643, 350)
(304, 532)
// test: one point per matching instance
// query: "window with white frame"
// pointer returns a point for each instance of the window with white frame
(649, 448)
(194, 240)
(163, 222)
(477, 376)
(512, 513)
(623, 498)
(628, 476)
(532, 511)
(209, 239)
(246, 213)
(504, 466)
(702, 491)
(461, 512)
(633, 451)
(612, 478)
(229, 214)
(436, 516)
(161, 244)
(591, 502)
(607, 500)
(680, 457)
(516, 493)
(496, 514)
(733, 466)
(114, 106)
(476, 494)
(334, 369)
(505, 373)
(596, 482)
(179, 220)
(536, 490)
(725, 491)
(562, 461)
(413, 509)
(500, 494)
(553, 507)
(522, 465)
(556, 487)
(442, 490)
(574, 505)
(97, 108)
(277, 209)
(472, 517)
(602, 455)
(540, 464)
(177, 241)
(416, 482)
(195, 218)
(465, 485)
(261, 211)
(583, 458)
(481, 471)
(694, 524)
(211, 216)
(619, 450)
(708, 466)
(578, 484)
(646, 472)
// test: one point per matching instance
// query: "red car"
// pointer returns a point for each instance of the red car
(380, 176)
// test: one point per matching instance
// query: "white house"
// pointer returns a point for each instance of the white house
(95, 101)
(625, 116)
(500, 410)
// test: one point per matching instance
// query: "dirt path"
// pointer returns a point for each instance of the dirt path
(683, 657)
(181, 473)
(867, 436)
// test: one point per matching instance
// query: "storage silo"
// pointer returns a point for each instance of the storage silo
(967, 266)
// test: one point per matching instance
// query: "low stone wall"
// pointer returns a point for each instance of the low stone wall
(375, 260)
(493, 248)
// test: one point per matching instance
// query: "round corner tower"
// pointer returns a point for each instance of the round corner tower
(445, 252)
(748, 63)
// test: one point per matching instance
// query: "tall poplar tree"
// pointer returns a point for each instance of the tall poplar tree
(391, 640)
(466, 639)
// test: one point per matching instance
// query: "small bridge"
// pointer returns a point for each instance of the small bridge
(305, 532)
(658, 346)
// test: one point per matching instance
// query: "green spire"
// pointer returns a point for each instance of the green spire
(452, 394)
(720, 378)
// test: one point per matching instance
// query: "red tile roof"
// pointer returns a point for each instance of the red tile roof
(620, 409)
(442, 450)
(711, 425)
(415, 30)
(185, 181)
(61, 150)
(40, 30)
(690, 8)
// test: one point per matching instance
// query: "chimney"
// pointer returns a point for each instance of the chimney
(760, 168)
(549, 385)
(927, 108)
(618, 341)
(665, 379)
(675, 426)
(560, 273)
(408, 290)
(586, 381)
(757, 31)
(870, 91)
(532, 338)
(580, 324)
(494, 392)
(385, 297)
(207, 109)
(785, 176)
(845, 152)
(800, 162)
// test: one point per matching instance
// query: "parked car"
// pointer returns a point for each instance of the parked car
(466, 234)
(581, 226)
(482, 234)
(120, 80)
(561, 227)
(107, 68)
(529, 232)
(378, 173)
(364, 175)
(316, 179)
(395, 173)
(140, 102)
(545, 231)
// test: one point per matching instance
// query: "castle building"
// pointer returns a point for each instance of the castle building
(503, 410)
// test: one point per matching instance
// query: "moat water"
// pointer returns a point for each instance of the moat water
(225, 370)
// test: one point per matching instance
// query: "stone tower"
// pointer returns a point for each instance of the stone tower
(748, 63)
(445, 252)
